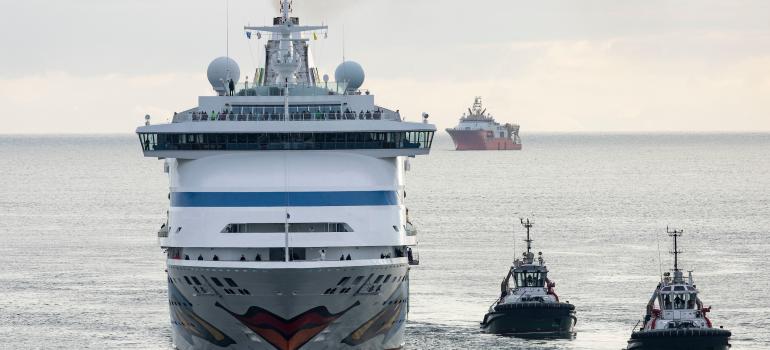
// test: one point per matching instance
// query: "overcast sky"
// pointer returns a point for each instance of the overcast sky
(98, 66)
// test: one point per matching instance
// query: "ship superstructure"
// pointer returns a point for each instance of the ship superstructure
(287, 226)
(478, 130)
(679, 320)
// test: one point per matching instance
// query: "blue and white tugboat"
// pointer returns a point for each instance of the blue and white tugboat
(531, 307)
(287, 227)
(679, 320)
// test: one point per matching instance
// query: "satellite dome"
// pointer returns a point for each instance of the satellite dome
(351, 73)
(220, 71)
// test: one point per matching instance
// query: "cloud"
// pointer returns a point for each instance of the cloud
(602, 85)
(317, 8)
(552, 66)
(111, 103)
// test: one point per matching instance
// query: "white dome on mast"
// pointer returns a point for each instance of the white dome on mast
(221, 71)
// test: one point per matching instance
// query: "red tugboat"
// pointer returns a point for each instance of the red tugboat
(678, 321)
(479, 131)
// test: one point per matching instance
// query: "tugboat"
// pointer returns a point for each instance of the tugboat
(679, 320)
(531, 307)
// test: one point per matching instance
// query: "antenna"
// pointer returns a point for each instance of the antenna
(343, 43)
(660, 259)
(675, 234)
(227, 29)
(514, 243)
(285, 10)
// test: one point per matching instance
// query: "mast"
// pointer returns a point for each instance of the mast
(676, 234)
(285, 59)
(528, 225)
(285, 9)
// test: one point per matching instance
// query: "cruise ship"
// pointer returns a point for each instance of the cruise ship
(478, 131)
(287, 226)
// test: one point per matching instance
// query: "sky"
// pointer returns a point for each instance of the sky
(98, 66)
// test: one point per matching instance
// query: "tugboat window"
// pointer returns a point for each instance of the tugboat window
(530, 279)
(683, 301)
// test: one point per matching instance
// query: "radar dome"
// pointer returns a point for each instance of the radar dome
(220, 71)
(351, 73)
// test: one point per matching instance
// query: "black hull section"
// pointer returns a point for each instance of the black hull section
(680, 339)
(545, 319)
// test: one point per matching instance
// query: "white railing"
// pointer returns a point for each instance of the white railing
(296, 116)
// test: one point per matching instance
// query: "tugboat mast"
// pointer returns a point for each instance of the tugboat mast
(528, 225)
(676, 234)
(676, 251)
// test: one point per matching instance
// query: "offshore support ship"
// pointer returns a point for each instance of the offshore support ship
(479, 131)
(287, 227)
(531, 307)
(680, 321)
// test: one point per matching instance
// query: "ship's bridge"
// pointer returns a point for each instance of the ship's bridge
(380, 139)
(678, 297)
(530, 276)
(329, 122)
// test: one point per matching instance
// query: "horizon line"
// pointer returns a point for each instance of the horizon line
(438, 132)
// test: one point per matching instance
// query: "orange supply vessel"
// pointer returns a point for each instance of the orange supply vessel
(479, 131)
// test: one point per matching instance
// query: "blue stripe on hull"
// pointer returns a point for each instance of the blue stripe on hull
(283, 199)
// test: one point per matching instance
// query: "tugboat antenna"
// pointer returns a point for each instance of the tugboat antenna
(514, 244)
(660, 259)
(676, 234)
(528, 225)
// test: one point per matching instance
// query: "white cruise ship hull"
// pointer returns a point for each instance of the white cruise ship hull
(343, 305)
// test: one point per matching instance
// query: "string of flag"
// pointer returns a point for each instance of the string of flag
(259, 35)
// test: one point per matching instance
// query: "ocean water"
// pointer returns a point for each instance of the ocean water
(80, 266)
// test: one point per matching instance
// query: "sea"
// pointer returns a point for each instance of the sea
(80, 266)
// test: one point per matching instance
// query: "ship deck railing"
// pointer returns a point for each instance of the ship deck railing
(300, 116)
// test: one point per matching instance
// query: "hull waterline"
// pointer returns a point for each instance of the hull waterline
(477, 140)
(533, 319)
(680, 339)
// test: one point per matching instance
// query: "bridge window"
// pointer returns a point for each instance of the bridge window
(529, 279)
(286, 141)
(678, 301)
